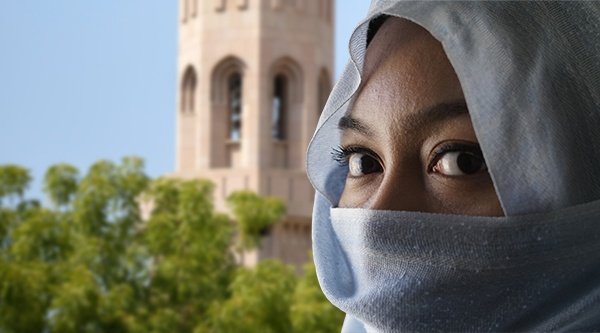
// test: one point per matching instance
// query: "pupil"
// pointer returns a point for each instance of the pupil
(468, 163)
(367, 164)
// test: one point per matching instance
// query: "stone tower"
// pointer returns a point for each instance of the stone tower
(253, 76)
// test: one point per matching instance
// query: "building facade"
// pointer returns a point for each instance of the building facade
(253, 76)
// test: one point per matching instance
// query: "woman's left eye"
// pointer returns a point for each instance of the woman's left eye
(359, 161)
(459, 163)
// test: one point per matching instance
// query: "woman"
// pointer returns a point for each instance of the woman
(456, 166)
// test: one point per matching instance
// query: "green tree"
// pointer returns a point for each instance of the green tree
(260, 301)
(60, 183)
(14, 180)
(28, 247)
(254, 215)
(90, 263)
(310, 310)
(190, 246)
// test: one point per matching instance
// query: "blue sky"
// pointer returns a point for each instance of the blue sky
(76, 78)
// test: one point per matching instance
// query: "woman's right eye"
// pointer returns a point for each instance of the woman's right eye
(360, 164)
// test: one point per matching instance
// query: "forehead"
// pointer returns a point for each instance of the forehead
(405, 70)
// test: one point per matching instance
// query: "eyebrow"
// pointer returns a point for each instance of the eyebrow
(433, 114)
(353, 124)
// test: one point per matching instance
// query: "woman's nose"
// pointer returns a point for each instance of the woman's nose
(399, 192)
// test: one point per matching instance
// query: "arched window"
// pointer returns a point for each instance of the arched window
(227, 112)
(286, 110)
(279, 107)
(188, 91)
(235, 106)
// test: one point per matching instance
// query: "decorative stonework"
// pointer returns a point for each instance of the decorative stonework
(297, 5)
(219, 5)
(189, 10)
(242, 4)
(183, 9)
(194, 7)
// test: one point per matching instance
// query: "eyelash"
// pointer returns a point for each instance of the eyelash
(341, 154)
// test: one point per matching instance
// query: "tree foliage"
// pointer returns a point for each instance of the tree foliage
(92, 264)
(254, 215)
(310, 310)
(13, 180)
(60, 183)
(259, 302)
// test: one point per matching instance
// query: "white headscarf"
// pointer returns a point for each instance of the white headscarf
(530, 73)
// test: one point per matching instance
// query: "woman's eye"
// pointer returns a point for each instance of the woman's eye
(362, 164)
(459, 163)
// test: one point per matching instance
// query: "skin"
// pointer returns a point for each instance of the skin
(407, 126)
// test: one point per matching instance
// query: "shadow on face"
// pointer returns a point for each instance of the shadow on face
(408, 142)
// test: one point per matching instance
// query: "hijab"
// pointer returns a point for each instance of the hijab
(530, 73)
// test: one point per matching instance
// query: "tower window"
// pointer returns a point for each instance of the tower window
(235, 106)
(188, 91)
(279, 107)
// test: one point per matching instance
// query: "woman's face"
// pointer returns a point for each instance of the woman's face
(408, 142)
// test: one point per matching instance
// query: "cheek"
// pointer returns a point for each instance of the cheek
(476, 197)
(358, 192)
(484, 204)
